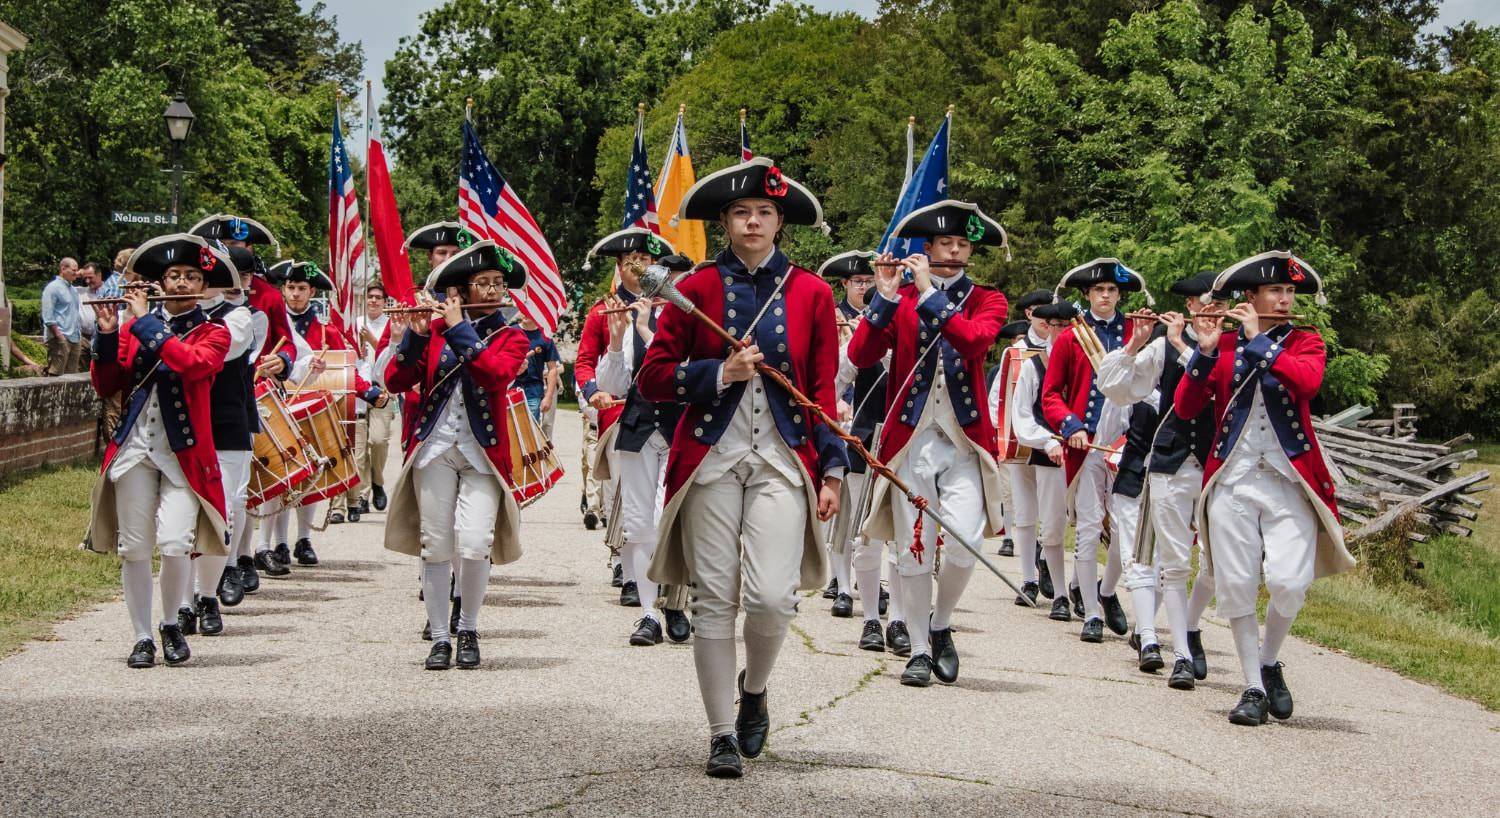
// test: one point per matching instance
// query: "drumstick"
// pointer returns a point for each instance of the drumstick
(309, 373)
(1094, 446)
(280, 342)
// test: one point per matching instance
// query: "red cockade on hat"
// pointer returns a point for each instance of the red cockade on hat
(775, 185)
(206, 259)
(1294, 271)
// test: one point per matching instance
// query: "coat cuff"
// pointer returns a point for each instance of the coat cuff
(697, 381)
(150, 331)
(1201, 366)
(413, 347)
(1261, 352)
(935, 308)
(286, 368)
(882, 311)
(1072, 424)
(463, 339)
(106, 346)
(833, 455)
(589, 388)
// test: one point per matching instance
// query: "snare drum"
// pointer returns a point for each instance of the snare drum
(1010, 449)
(317, 417)
(279, 460)
(534, 467)
(336, 381)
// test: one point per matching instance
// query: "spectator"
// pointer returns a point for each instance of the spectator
(539, 379)
(87, 286)
(121, 259)
(61, 321)
(114, 283)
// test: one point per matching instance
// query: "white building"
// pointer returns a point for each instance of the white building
(10, 40)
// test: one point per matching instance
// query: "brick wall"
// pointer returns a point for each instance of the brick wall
(46, 420)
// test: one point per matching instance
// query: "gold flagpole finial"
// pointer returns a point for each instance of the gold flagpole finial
(367, 84)
(911, 120)
(742, 116)
(640, 107)
(682, 109)
(950, 111)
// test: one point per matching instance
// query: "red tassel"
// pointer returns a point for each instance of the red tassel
(916, 530)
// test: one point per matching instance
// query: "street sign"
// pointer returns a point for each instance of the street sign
(143, 219)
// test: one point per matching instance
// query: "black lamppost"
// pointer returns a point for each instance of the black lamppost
(179, 119)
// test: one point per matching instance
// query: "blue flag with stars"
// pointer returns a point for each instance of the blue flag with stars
(928, 185)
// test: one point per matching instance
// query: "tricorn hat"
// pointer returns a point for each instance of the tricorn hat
(474, 259)
(848, 265)
(225, 227)
(1035, 298)
(151, 260)
(1056, 311)
(1013, 330)
(307, 272)
(439, 234)
(1105, 271)
(1275, 267)
(758, 178)
(951, 217)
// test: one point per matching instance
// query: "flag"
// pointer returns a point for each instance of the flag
(385, 223)
(673, 183)
(640, 199)
(928, 185)
(745, 153)
(345, 245)
(489, 208)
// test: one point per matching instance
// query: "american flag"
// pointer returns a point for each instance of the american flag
(489, 208)
(745, 153)
(345, 244)
(640, 199)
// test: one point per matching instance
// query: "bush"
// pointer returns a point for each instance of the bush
(26, 316)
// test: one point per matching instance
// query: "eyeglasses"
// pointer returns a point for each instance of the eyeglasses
(486, 284)
(190, 277)
(861, 282)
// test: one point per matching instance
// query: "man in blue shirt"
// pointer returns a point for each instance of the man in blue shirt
(61, 320)
(539, 379)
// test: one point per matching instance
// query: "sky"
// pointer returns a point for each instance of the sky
(380, 25)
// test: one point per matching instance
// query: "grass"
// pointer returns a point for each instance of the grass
(43, 575)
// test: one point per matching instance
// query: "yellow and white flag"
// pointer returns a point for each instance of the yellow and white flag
(673, 182)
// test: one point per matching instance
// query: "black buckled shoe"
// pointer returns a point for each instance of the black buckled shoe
(1076, 597)
(724, 757)
(617, 576)
(467, 657)
(897, 639)
(630, 595)
(364, 505)
(377, 497)
(918, 672)
(1093, 631)
(590, 520)
(679, 627)
(885, 601)
(753, 721)
(441, 656)
(1061, 610)
(426, 631)
(249, 577)
(1278, 697)
(454, 610)
(1150, 658)
(283, 554)
(229, 591)
(304, 552)
(1251, 711)
(174, 648)
(211, 622)
(1007, 547)
(336, 518)
(647, 632)
(354, 513)
(872, 638)
(843, 606)
(944, 655)
(1114, 613)
(1043, 574)
(187, 620)
(832, 591)
(1029, 590)
(1200, 659)
(1182, 675)
(143, 655)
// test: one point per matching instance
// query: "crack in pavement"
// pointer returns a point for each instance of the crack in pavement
(1146, 746)
(774, 758)
(805, 717)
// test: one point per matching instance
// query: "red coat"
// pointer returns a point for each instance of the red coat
(195, 358)
(1066, 391)
(592, 344)
(268, 300)
(682, 365)
(491, 364)
(970, 329)
(1295, 369)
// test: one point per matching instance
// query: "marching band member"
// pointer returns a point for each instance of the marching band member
(593, 340)
(865, 389)
(747, 464)
(1073, 404)
(1268, 503)
(642, 428)
(938, 434)
(453, 501)
(1029, 502)
(375, 425)
(159, 484)
(235, 419)
(1178, 449)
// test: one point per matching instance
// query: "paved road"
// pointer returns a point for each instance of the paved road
(314, 701)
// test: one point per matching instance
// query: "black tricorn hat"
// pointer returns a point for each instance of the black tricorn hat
(151, 260)
(440, 234)
(633, 240)
(1035, 298)
(1275, 267)
(951, 217)
(1195, 286)
(225, 227)
(758, 178)
(676, 262)
(1014, 330)
(1105, 271)
(848, 265)
(308, 272)
(276, 273)
(246, 262)
(474, 259)
(1056, 311)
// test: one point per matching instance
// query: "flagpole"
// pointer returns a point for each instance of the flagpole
(364, 224)
(338, 96)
